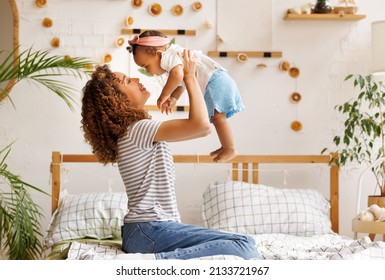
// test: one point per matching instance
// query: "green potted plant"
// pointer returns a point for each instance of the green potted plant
(20, 233)
(362, 139)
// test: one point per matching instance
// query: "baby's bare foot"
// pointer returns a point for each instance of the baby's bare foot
(216, 152)
(224, 155)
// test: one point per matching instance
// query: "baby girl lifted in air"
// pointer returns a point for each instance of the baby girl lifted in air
(152, 50)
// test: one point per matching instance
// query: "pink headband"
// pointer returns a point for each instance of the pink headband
(151, 41)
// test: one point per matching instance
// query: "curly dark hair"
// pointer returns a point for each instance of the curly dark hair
(106, 114)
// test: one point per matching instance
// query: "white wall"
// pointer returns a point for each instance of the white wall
(5, 23)
(325, 52)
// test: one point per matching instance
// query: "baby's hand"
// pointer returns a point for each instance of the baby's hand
(166, 108)
(162, 100)
(172, 101)
(168, 105)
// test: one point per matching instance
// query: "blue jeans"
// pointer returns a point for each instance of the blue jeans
(173, 240)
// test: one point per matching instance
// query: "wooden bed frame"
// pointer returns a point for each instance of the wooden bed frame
(241, 166)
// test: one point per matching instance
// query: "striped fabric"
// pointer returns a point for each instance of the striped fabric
(148, 173)
(256, 209)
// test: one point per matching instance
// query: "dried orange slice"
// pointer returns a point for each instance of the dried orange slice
(294, 72)
(136, 3)
(295, 97)
(120, 41)
(155, 9)
(284, 66)
(47, 22)
(177, 10)
(196, 6)
(89, 66)
(68, 58)
(296, 125)
(242, 57)
(40, 3)
(129, 20)
(55, 42)
(107, 58)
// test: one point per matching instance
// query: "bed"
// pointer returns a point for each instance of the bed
(286, 223)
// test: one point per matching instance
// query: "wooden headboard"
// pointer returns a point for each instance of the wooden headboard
(242, 166)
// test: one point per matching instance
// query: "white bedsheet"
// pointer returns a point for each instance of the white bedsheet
(270, 247)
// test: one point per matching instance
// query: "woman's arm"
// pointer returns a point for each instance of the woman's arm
(197, 124)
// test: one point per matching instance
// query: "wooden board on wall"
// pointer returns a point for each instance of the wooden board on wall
(244, 25)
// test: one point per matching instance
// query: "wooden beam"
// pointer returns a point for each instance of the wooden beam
(334, 196)
(79, 158)
(235, 173)
(341, 17)
(259, 54)
(257, 158)
(255, 176)
(245, 172)
(56, 182)
(179, 32)
(207, 159)
(175, 109)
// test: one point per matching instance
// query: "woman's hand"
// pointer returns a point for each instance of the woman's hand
(189, 64)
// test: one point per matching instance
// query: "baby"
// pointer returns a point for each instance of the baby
(152, 50)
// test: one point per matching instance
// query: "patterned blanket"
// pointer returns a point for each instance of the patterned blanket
(318, 247)
(270, 247)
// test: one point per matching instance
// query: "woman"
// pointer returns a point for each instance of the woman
(120, 130)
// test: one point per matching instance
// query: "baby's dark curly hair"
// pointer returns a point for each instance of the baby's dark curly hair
(106, 114)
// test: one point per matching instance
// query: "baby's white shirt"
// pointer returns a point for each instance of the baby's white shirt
(205, 65)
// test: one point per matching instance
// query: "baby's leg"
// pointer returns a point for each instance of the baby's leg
(227, 151)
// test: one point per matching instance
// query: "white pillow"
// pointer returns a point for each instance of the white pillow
(97, 215)
(255, 209)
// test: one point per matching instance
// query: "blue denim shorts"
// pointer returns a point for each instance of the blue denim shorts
(222, 94)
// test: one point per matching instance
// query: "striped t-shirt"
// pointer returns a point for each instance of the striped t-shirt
(148, 173)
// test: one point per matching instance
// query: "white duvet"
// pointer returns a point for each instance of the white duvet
(270, 247)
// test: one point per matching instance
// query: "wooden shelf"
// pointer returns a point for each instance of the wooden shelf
(249, 54)
(184, 32)
(341, 17)
(175, 109)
